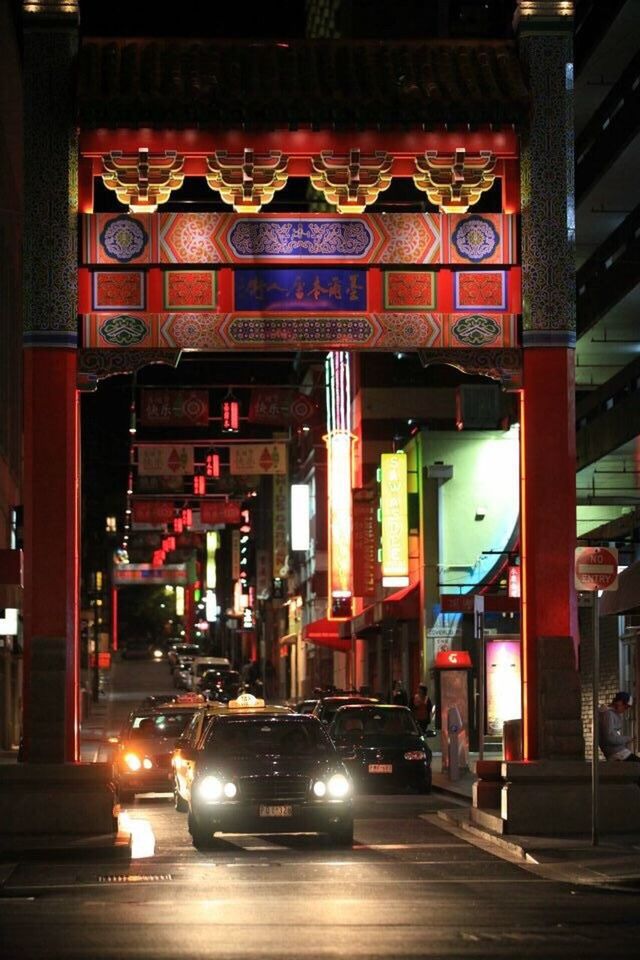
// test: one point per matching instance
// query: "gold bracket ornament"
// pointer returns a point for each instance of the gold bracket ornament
(351, 182)
(454, 182)
(247, 181)
(141, 181)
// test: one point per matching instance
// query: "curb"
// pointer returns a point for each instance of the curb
(101, 848)
(510, 846)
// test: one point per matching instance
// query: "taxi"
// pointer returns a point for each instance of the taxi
(253, 768)
(142, 762)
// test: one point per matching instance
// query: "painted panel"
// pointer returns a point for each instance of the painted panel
(366, 331)
(300, 290)
(120, 239)
(118, 290)
(409, 290)
(480, 290)
(189, 290)
(218, 238)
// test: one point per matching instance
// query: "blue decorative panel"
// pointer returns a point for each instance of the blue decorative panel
(331, 238)
(301, 291)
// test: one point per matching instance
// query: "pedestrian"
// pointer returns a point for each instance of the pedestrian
(399, 694)
(422, 707)
(613, 742)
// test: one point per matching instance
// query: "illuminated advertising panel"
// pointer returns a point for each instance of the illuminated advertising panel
(395, 527)
(213, 542)
(503, 684)
(340, 510)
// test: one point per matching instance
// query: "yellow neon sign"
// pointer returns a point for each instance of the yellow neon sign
(395, 525)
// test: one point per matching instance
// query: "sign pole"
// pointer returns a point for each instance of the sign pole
(478, 603)
(595, 605)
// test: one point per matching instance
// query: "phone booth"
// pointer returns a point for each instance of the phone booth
(454, 702)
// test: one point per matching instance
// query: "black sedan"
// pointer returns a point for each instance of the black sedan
(262, 769)
(382, 747)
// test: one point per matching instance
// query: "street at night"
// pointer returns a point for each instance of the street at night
(409, 888)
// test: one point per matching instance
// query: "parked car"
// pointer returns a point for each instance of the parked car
(221, 685)
(199, 667)
(305, 706)
(382, 747)
(145, 747)
(263, 769)
(179, 651)
(325, 708)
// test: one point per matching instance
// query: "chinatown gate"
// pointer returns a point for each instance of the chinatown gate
(109, 293)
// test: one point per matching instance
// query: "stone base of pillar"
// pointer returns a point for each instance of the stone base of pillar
(553, 798)
(57, 799)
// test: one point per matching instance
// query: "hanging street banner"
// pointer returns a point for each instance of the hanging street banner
(280, 524)
(279, 406)
(164, 460)
(152, 513)
(142, 574)
(260, 459)
(216, 512)
(174, 408)
(365, 542)
(159, 484)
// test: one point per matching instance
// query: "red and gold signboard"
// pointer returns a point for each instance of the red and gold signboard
(280, 524)
(365, 543)
(214, 512)
(152, 512)
(174, 408)
(279, 406)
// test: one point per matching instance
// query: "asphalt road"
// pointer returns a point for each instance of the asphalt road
(407, 889)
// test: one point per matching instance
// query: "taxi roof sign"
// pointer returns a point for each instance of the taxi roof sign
(245, 700)
(186, 698)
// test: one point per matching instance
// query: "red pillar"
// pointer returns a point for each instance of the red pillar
(51, 508)
(548, 514)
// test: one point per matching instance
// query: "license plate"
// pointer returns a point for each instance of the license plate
(380, 768)
(277, 810)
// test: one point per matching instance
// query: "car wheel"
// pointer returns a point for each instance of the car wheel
(179, 802)
(201, 837)
(342, 835)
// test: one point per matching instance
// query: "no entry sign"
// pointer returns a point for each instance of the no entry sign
(596, 568)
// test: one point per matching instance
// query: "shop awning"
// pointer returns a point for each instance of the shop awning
(326, 633)
(401, 605)
(626, 599)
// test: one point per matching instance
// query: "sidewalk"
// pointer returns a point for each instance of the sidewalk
(63, 847)
(614, 863)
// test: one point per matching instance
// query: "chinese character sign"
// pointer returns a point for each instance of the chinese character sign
(258, 459)
(158, 460)
(280, 523)
(395, 528)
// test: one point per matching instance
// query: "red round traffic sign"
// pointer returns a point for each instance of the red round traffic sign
(596, 568)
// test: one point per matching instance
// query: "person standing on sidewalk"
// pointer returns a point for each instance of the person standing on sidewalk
(613, 742)
(422, 707)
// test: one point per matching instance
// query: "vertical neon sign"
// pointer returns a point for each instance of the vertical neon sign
(338, 440)
(395, 526)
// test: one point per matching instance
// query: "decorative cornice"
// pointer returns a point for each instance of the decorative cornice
(95, 365)
(504, 365)
(141, 181)
(64, 11)
(351, 182)
(543, 16)
(247, 181)
(455, 181)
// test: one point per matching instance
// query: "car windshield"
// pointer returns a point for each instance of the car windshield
(375, 722)
(159, 725)
(258, 737)
(329, 708)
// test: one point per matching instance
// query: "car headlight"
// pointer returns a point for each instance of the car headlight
(415, 755)
(230, 790)
(210, 788)
(147, 764)
(319, 788)
(132, 760)
(338, 786)
(157, 654)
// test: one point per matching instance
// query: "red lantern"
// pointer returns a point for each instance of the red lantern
(199, 486)
(178, 524)
(187, 517)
